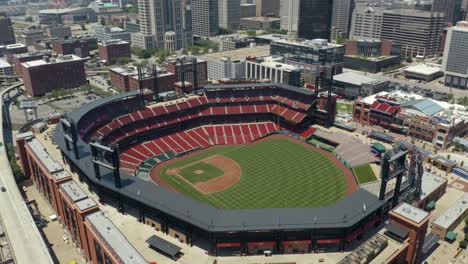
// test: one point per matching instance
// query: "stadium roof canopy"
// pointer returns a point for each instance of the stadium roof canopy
(426, 106)
(257, 85)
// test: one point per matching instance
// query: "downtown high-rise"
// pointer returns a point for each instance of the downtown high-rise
(164, 24)
(341, 18)
(315, 19)
(7, 35)
(205, 20)
(229, 14)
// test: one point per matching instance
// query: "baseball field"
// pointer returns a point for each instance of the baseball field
(275, 172)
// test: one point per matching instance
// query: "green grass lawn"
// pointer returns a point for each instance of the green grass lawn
(276, 173)
(364, 173)
(209, 172)
(344, 107)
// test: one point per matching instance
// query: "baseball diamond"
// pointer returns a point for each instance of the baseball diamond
(268, 179)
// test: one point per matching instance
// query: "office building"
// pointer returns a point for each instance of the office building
(371, 55)
(311, 56)
(104, 33)
(289, 13)
(29, 37)
(76, 47)
(272, 68)
(418, 32)
(7, 35)
(226, 69)
(188, 69)
(450, 8)
(248, 10)
(366, 23)
(352, 85)
(455, 61)
(164, 24)
(260, 23)
(205, 18)
(229, 14)
(315, 19)
(451, 218)
(18, 59)
(113, 49)
(269, 8)
(5, 68)
(58, 31)
(48, 74)
(9, 50)
(341, 18)
(234, 41)
(126, 78)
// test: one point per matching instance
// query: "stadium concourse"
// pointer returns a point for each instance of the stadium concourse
(143, 134)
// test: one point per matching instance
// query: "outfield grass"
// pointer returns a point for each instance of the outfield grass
(276, 173)
(364, 173)
(209, 172)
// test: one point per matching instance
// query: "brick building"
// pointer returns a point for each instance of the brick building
(409, 223)
(48, 74)
(96, 237)
(18, 59)
(371, 55)
(414, 115)
(174, 66)
(71, 47)
(112, 50)
(127, 79)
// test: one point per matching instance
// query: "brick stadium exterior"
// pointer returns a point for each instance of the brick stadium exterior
(250, 231)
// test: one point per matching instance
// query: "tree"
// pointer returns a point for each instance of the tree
(462, 163)
(463, 101)
(185, 52)
(409, 59)
(450, 96)
(83, 27)
(123, 60)
(103, 21)
(251, 32)
(340, 39)
(448, 156)
(463, 244)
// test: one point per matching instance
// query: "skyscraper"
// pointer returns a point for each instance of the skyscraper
(229, 14)
(452, 10)
(366, 23)
(205, 18)
(7, 35)
(341, 18)
(418, 32)
(455, 62)
(268, 8)
(289, 13)
(164, 24)
(315, 19)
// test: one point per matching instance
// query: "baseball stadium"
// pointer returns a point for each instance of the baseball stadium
(227, 168)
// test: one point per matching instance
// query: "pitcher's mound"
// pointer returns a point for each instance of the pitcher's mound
(199, 172)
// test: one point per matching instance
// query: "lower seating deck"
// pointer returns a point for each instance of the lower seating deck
(192, 139)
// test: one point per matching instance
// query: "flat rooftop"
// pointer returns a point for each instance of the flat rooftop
(411, 212)
(354, 78)
(65, 58)
(453, 213)
(430, 182)
(85, 204)
(4, 64)
(424, 69)
(313, 43)
(238, 54)
(116, 240)
(73, 191)
(51, 165)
